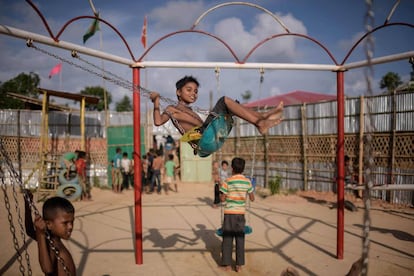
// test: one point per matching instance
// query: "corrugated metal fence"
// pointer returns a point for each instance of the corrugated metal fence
(302, 149)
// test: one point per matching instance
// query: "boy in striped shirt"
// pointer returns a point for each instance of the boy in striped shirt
(233, 192)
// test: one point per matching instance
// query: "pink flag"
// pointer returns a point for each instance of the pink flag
(55, 70)
(144, 33)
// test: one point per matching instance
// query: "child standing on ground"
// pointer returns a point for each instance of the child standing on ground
(57, 223)
(224, 174)
(176, 171)
(144, 172)
(216, 180)
(233, 192)
(157, 166)
(80, 164)
(126, 171)
(117, 174)
(185, 119)
(169, 172)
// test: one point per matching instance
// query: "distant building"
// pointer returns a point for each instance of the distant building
(292, 98)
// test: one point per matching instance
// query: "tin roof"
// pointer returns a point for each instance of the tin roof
(292, 98)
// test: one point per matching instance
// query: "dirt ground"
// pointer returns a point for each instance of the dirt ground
(179, 238)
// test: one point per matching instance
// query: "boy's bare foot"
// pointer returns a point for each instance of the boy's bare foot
(275, 114)
(264, 125)
(238, 268)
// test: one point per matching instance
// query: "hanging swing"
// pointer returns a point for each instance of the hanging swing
(247, 228)
(213, 136)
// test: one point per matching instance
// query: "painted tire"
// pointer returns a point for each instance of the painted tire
(63, 180)
(69, 191)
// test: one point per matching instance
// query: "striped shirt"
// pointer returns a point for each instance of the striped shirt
(236, 188)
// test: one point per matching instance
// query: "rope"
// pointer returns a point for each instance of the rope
(368, 151)
(16, 179)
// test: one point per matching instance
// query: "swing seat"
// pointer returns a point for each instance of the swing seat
(214, 135)
(247, 230)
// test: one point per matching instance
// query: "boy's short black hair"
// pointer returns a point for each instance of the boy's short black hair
(183, 81)
(53, 204)
(224, 162)
(237, 164)
(81, 154)
(171, 156)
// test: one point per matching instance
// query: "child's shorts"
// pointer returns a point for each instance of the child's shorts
(168, 179)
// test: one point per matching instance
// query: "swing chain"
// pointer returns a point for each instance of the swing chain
(14, 175)
(12, 228)
(368, 151)
(20, 221)
(115, 79)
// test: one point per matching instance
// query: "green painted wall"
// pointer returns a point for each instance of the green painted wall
(193, 167)
(123, 137)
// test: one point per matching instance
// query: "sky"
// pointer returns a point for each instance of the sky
(337, 25)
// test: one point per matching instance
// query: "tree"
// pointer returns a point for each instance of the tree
(390, 81)
(24, 84)
(246, 96)
(98, 92)
(124, 105)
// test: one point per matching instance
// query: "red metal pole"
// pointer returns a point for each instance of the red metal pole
(137, 166)
(340, 165)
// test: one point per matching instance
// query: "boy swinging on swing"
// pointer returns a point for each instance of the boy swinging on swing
(185, 119)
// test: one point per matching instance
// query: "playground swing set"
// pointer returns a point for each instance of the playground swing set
(216, 132)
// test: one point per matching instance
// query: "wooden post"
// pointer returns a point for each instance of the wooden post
(361, 141)
(82, 123)
(305, 147)
(390, 178)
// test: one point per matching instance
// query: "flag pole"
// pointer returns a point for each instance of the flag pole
(60, 80)
(147, 120)
(104, 83)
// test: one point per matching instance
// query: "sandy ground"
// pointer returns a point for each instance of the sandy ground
(179, 236)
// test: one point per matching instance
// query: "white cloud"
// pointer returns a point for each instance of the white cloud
(176, 14)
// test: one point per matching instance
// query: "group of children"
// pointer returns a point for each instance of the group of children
(158, 173)
(122, 171)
